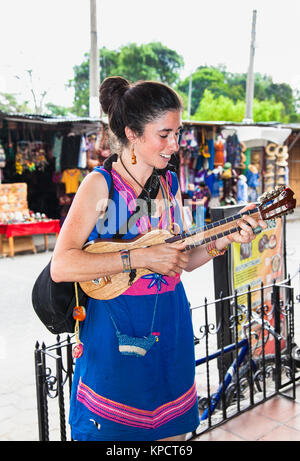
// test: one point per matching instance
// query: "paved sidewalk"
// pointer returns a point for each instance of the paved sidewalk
(278, 419)
(20, 329)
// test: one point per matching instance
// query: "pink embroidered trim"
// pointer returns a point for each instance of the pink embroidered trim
(141, 287)
(130, 416)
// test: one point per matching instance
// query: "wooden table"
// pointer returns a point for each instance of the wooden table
(9, 231)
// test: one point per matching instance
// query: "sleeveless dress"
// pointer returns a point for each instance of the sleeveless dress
(120, 397)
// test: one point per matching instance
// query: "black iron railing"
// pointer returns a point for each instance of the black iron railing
(257, 364)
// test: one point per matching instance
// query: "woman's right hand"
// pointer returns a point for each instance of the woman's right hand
(166, 258)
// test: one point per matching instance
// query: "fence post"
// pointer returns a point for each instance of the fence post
(40, 393)
(60, 391)
(277, 328)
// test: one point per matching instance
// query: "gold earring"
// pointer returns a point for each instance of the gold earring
(133, 157)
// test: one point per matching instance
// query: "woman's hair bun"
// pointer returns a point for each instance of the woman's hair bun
(110, 89)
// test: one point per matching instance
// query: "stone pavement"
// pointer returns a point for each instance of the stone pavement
(277, 419)
(20, 329)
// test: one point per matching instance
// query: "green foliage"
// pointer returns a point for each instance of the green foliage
(9, 104)
(152, 61)
(204, 78)
(53, 109)
(222, 108)
(273, 102)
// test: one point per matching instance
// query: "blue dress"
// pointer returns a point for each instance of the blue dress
(126, 397)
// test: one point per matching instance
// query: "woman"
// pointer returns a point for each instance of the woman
(119, 394)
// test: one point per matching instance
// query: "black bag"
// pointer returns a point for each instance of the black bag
(54, 302)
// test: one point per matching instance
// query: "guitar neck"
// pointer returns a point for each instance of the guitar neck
(213, 231)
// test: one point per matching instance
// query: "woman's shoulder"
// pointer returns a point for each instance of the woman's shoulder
(97, 181)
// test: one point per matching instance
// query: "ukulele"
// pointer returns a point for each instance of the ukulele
(272, 205)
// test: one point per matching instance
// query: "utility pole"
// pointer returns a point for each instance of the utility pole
(250, 78)
(94, 69)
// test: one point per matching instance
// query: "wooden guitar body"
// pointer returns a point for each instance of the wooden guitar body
(111, 286)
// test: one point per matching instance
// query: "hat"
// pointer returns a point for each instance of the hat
(282, 150)
(280, 181)
(269, 174)
(271, 150)
(227, 165)
(282, 163)
(280, 171)
(269, 188)
(270, 167)
(269, 181)
(244, 147)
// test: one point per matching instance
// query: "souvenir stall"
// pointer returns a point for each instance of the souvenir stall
(237, 163)
(266, 156)
(18, 224)
(210, 163)
(49, 157)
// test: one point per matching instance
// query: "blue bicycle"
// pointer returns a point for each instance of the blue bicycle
(249, 373)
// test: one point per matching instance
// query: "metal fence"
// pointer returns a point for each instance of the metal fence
(260, 361)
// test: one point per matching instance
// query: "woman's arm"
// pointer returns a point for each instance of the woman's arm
(71, 263)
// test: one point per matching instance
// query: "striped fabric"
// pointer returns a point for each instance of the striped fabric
(128, 194)
(134, 417)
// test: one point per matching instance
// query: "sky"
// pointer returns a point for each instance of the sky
(51, 36)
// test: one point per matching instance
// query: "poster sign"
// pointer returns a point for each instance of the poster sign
(260, 261)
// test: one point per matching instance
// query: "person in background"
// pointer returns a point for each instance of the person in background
(200, 202)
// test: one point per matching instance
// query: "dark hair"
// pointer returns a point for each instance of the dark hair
(134, 105)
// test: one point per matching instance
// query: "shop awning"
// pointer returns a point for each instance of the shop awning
(258, 136)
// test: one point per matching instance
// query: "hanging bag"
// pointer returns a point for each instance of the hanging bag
(53, 302)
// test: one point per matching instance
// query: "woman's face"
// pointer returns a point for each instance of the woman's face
(159, 140)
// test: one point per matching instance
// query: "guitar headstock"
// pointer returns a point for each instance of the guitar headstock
(277, 203)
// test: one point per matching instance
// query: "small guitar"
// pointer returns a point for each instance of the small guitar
(272, 205)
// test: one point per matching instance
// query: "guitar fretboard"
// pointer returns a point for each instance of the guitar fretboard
(213, 231)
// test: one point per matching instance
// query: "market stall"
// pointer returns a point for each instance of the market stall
(18, 224)
(236, 162)
(42, 163)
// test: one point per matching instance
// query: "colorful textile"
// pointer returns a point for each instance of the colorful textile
(200, 193)
(127, 397)
(71, 180)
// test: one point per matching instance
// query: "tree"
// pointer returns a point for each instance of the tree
(222, 108)
(55, 110)
(152, 61)
(204, 78)
(9, 104)
(220, 82)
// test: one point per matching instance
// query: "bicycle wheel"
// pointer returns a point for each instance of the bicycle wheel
(238, 391)
(268, 374)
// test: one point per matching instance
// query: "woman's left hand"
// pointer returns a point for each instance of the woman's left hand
(247, 225)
